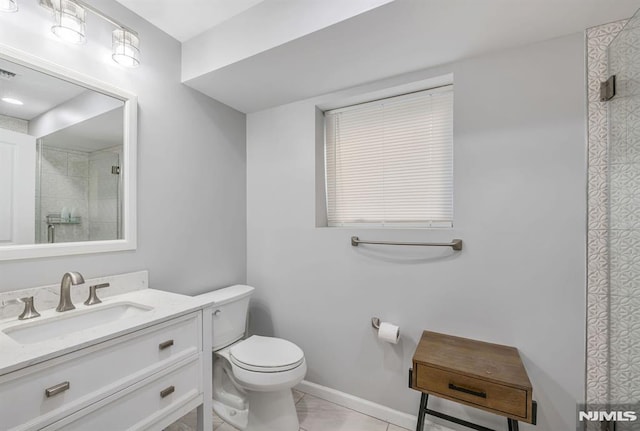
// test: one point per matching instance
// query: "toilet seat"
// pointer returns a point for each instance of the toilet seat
(266, 355)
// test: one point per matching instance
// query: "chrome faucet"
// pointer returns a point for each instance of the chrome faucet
(68, 279)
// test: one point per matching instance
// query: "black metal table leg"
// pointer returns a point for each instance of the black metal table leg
(422, 411)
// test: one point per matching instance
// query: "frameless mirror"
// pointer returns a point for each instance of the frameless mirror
(67, 161)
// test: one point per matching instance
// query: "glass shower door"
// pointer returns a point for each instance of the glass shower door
(624, 219)
(104, 192)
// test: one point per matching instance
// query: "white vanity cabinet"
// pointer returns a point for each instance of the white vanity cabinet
(144, 379)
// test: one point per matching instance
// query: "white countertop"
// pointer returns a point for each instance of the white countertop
(166, 306)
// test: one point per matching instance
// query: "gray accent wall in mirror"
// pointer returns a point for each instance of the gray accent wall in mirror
(67, 161)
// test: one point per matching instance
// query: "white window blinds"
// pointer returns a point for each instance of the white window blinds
(390, 162)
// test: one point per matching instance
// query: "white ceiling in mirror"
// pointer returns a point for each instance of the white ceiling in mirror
(39, 92)
(97, 133)
(185, 19)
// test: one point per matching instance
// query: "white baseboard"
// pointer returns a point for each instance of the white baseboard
(378, 411)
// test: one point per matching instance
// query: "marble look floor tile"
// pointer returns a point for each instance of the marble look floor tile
(319, 415)
(297, 396)
(190, 419)
(227, 427)
(315, 415)
(224, 427)
(217, 421)
(178, 426)
(427, 427)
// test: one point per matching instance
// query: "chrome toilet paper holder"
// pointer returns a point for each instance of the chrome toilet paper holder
(375, 322)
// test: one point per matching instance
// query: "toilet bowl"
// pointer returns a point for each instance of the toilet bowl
(252, 377)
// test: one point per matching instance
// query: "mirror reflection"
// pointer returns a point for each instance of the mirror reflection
(61, 157)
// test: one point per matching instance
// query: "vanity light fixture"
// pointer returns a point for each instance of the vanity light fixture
(12, 101)
(9, 5)
(69, 21)
(70, 25)
(126, 48)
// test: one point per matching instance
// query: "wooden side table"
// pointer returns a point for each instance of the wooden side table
(487, 376)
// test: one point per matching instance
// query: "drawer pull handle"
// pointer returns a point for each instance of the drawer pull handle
(467, 391)
(57, 389)
(166, 392)
(166, 344)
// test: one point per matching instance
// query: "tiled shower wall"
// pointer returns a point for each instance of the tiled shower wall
(15, 124)
(64, 183)
(608, 307)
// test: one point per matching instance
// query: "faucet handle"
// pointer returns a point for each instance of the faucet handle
(93, 298)
(29, 311)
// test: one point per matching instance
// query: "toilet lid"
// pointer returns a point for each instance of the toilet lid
(266, 354)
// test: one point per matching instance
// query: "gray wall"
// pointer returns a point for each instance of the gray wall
(520, 207)
(191, 162)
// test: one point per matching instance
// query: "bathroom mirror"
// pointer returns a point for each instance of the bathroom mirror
(67, 161)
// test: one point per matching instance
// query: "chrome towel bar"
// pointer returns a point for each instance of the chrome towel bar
(455, 244)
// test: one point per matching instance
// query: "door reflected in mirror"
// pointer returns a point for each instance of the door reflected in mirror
(61, 160)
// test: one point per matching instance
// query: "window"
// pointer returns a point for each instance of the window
(390, 162)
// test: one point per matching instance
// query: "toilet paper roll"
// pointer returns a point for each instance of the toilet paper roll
(389, 332)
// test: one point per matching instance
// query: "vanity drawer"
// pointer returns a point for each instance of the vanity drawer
(40, 394)
(473, 391)
(141, 406)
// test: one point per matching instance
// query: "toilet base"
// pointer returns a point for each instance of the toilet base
(234, 417)
(270, 411)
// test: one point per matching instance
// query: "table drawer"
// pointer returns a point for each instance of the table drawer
(36, 395)
(473, 391)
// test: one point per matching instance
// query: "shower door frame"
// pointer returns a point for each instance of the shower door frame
(597, 377)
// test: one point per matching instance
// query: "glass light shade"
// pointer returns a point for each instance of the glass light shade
(69, 21)
(8, 5)
(126, 48)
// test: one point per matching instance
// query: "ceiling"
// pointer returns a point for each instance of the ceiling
(38, 91)
(97, 133)
(185, 19)
(386, 40)
(67, 102)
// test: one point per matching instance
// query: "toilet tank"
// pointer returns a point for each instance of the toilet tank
(230, 308)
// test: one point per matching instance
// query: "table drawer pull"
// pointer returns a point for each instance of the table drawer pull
(166, 344)
(455, 387)
(57, 389)
(166, 392)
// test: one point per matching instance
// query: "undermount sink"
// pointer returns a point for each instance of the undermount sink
(73, 321)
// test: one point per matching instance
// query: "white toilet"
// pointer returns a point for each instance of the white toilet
(252, 377)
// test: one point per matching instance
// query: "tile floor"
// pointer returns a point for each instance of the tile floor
(315, 415)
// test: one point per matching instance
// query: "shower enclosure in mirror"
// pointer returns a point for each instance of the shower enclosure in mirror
(67, 159)
(77, 181)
